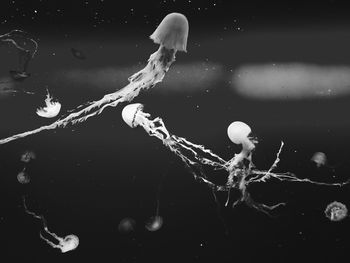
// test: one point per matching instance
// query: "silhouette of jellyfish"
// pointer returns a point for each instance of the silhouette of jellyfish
(23, 177)
(336, 211)
(27, 156)
(20, 40)
(171, 35)
(78, 54)
(319, 158)
(126, 225)
(68, 243)
(241, 170)
(51, 109)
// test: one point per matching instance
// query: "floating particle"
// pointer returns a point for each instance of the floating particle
(336, 211)
(23, 177)
(126, 225)
(27, 156)
(78, 54)
(319, 158)
(51, 109)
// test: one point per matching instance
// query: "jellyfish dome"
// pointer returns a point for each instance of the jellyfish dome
(129, 113)
(23, 177)
(336, 211)
(126, 225)
(172, 32)
(154, 223)
(69, 243)
(238, 132)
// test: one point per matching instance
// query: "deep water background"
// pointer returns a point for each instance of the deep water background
(88, 177)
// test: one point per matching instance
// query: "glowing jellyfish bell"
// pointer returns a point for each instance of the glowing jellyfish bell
(238, 133)
(69, 243)
(336, 211)
(154, 223)
(319, 158)
(130, 114)
(126, 225)
(172, 32)
(23, 177)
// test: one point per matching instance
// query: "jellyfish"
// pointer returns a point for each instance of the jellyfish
(240, 169)
(23, 177)
(336, 211)
(171, 35)
(126, 225)
(68, 243)
(27, 156)
(21, 41)
(51, 109)
(154, 223)
(319, 158)
(78, 54)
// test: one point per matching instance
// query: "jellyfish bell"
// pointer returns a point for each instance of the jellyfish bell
(19, 75)
(154, 223)
(172, 32)
(129, 114)
(336, 211)
(319, 158)
(23, 177)
(126, 225)
(69, 243)
(238, 133)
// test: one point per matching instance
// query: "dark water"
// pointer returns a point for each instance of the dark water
(87, 178)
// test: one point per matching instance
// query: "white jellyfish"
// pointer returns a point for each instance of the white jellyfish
(27, 156)
(51, 109)
(23, 177)
(171, 35)
(154, 223)
(68, 243)
(241, 170)
(336, 211)
(319, 158)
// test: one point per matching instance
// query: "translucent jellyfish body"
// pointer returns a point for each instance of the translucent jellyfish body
(51, 109)
(27, 156)
(336, 211)
(319, 158)
(126, 225)
(172, 32)
(23, 177)
(154, 223)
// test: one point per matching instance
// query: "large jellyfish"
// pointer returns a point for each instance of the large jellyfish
(241, 170)
(68, 243)
(21, 41)
(171, 35)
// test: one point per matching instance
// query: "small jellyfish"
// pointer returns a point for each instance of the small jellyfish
(27, 156)
(126, 225)
(23, 177)
(78, 54)
(154, 223)
(19, 75)
(68, 243)
(51, 109)
(336, 211)
(319, 158)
